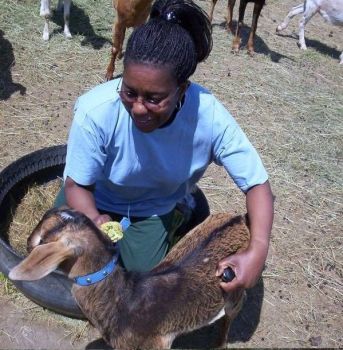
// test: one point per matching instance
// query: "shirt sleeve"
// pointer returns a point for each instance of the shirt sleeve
(85, 154)
(233, 150)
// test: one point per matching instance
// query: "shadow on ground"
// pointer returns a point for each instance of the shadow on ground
(259, 44)
(7, 61)
(79, 25)
(242, 328)
(316, 45)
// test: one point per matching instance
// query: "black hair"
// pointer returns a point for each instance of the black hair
(178, 35)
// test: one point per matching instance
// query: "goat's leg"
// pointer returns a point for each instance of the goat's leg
(233, 306)
(237, 39)
(210, 14)
(158, 342)
(310, 9)
(45, 12)
(66, 15)
(117, 47)
(341, 58)
(256, 14)
(60, 5)
(296, 10)
(230, 6)
(223, 331)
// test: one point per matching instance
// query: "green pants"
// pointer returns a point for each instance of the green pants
(147, 240)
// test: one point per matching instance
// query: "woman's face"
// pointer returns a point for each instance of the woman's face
(150, 95)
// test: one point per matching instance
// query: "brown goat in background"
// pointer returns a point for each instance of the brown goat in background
(141, 310)
(258, 5)
(129, 13)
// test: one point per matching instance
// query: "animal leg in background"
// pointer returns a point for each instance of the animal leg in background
(296, 10)
(256, 14)
(237, 38)
(210, 14)
(118, 36)
(230, 6)
(310, 9)
(45, 12)
(66, 16)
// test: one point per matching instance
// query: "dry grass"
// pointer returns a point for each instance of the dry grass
(30, 210)
(290, 104)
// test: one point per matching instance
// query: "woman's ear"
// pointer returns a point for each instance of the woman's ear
(183, 88)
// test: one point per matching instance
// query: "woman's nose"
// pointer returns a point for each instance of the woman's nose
(138, 107)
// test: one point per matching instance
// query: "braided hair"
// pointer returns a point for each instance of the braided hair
(178, 35)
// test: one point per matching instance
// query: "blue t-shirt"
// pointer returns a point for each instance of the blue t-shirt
(148, 173)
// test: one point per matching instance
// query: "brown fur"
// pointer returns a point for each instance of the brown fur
(258, 5)
(130, 13)
(142, 310)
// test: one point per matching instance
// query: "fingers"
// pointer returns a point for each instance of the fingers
(230, 286)
(223, 264)
(101, 219)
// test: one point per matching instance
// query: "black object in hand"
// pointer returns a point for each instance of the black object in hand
(228, 275)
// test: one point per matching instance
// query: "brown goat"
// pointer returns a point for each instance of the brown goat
(140, 310)
(237, 33)
(130, 13)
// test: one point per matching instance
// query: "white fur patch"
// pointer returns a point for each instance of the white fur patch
(220, 314)
(66, 216)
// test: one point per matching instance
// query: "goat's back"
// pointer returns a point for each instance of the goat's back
(184, 286)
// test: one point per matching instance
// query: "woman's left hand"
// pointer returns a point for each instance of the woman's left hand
(247, 266)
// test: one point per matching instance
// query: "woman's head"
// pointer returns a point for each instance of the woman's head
(159, 58)
(177, 37)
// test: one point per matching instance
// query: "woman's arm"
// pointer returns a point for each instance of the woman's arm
(81, 198)
(248, 264)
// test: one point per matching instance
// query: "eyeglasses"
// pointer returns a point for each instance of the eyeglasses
(154, 104)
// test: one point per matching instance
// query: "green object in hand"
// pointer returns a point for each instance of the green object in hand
(113, 230)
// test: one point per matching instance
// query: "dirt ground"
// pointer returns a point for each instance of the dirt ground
(290, 104)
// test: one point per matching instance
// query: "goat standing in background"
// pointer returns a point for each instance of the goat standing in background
(258, 5)
(130, 13)
(45, 12)
(140, 310)
(330, 10)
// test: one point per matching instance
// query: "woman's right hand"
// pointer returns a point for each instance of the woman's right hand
(101, 219)
(82, 199)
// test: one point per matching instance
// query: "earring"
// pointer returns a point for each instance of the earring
(179, 105)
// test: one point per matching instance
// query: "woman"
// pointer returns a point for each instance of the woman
(139, 144)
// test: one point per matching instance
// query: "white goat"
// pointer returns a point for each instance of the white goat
(139, 310)
(330, 10)
(45, 12)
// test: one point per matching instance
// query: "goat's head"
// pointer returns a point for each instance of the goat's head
(62, 236)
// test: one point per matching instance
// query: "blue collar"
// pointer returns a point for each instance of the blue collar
(87, 280)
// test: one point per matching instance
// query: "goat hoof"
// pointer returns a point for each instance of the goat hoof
(235, 50)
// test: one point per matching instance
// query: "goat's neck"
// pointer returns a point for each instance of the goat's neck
(90, 261)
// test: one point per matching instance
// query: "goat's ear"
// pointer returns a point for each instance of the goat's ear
(41, 261)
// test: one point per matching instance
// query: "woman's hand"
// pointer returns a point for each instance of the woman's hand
(247, 266)
(101, 219)
(82, 199)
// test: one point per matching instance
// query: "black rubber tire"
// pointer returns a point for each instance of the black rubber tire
(42, 166)
(53, 291)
